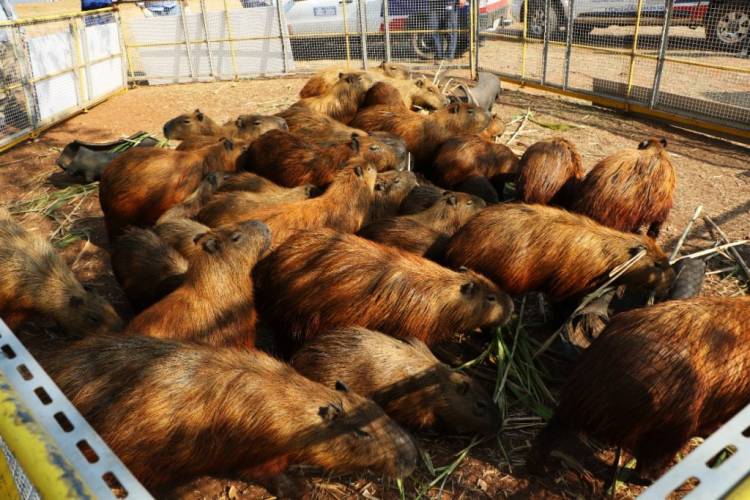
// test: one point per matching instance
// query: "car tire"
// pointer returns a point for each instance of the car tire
(423, 45)
(537, 23)
(728, 25)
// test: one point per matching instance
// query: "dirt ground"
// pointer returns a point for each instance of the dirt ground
(711, 172)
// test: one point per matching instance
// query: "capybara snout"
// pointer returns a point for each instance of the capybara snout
(252, 235)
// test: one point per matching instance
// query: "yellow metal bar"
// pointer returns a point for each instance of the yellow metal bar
(634, 50)
(80, 63)
(231, 45)
(37, 453)
(740, 491)
(525, 38)
(55, 17)
(38, 79)
(7, 484)
(346, 33)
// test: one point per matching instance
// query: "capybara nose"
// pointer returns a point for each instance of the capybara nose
(165, 131)
(256, 226)
(407, 459)
(283, 125)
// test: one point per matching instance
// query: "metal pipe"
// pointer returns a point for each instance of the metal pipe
(77, 54)
(473, 38)
(568, 42)
(86, 63)
(205, 33)
(634, 48)
(545, 49)
(525, 38)
(387, 28)
(53, 17)
(362, 15)
(187, 39)
(346, 32)
(663, 42)
(232, 54)
(284, 36)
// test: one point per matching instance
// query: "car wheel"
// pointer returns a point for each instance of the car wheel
(728, 25)
(537, 22)
(423, 45)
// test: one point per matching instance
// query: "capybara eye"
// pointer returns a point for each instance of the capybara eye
(463, 269)
(636, 249)
(94, 318)
(663, 141)
(491, 298)
(470, 202)
(88, 288)
(470, 111)
(236, 236)
(340, 386)
(362, 434)
(643, 145)
(374, 147)
(257, 122)
(396, 180)
(186, 121)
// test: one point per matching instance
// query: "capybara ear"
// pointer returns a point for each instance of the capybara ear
(663, 141)
(452, 200)
(468, 289)
(199, 237)
(643, 145)
(329, 413)
(420, 83)
(341, 75)
(355, 143)
(75, 301)
(358, 171)
(199, 115)
(379, 186)
(340, 386)
(636, 249)
(463, 269)
(228, 144)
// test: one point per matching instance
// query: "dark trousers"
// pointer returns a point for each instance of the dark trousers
(446, 19)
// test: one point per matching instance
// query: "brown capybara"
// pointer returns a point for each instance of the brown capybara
(393, 70)
(423, 134)
(214, 303)
(37, 282)
(546, 168)
(391, 188)
(288, 160)
(247, 129)
(322, 279)
(325, 79)
(316, 127)
(421, 197)
(526, 248)
(461, 158)
(629, 189)
(180, 234)
(402, 376)
(195, 124)
(146, 267)
(191, 205)
(143, 183)
(420, 92)
(342, 100)
(384, 94)
(425, 233)
(655, 378)
(344, 206)
(246, 201)
(174, 411)
(248, 181)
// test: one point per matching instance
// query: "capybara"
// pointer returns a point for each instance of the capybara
(421, 197)
(384, 94)
(526, 248)
(37, 282)
(248, 181)
(174, 411)
(288, 160)
(180, 234)
(143, 183)
(194, 124)
(324, 80)
(146, 267)
(247, 129)
(423, 134)
(461, 158)
(545, 169)
(425, 233)
(391, 188)
(393, 70)
(321, 279)
(629, 189)
(344, 206)
(402, 376)
(656, 377)
(420, 92)
(191, 205)
(214, 303)
(342, 100)
(316, 127)
(246, 201)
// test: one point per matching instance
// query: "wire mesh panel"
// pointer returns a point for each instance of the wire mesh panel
(15, 104)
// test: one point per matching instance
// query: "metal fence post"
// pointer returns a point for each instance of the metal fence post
(473, 37)
(568, 43)
(205, 34)
(228, 22)
(634, 49)
(387, 28)
(362, 15)
(346, 32)
(24, 66)
(81, 26)
(282, 35)
(545, 49)
(79, 69)
(525, 38)
(187, 39)
(663, 43)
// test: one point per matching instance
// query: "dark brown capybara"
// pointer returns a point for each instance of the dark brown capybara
(180, 234)
(316, 127)
(461, 158)
(195, 124)
(143, 183)
(423, 134)
(426, 233)
(655, 378)
(390, 190)
(37, 282)
(546, 168)
(402, 376)
(344, 206)
(174, 411)
(288, 160)
(246, 201)
(214, 303)
(247, 129)
(384, 94)
(526, 248)
(421, 197)
(342, 100)
(629, 189)
(322, 279)
(146, 267)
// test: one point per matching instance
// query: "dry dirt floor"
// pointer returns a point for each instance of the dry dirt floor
(711, 172)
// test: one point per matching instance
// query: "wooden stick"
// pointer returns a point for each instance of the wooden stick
(681, 241)
(520, 127)
(732, 251)
(710, 251)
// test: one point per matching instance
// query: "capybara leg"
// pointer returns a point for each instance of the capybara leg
(654, 229)
(655, 450)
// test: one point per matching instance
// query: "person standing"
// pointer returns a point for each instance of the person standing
(444, 17)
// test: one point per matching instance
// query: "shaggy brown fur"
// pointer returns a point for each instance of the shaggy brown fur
(656, 377)
(526, 248)
(393, 70)
(461, 158)
(143, 183)
(248, 181)
(426, 233)
(246, 201)
(321, 279)
(197, 200)
(37, 282)
(344, 206)
(195, 124)
(180, 234)
(146, 267)
(289, 160)
(424, 134)
(342, 100)
(421, 198)
(325, 79)
(247, 128)
(390, 190)
(384, 94)
(214, 304)
(403, 377)
(545, 168)
(420, 92)
(316, 127)
(174, 411)
(629, 189)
